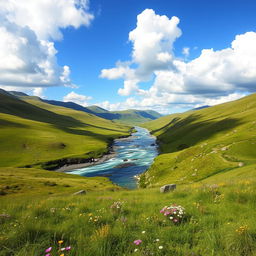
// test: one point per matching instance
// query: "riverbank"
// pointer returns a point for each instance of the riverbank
(133, 156)
(68, 168)
(96, 161)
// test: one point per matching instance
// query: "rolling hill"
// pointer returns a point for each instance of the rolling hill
(218, 141)
(34, 132)
(131, 116)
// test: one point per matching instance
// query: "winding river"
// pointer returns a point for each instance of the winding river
(133, 156)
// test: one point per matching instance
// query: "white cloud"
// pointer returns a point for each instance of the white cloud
(213, 77)
(47, 17)
(39, 92)
(186, 51)
(152, 41)
(27, 52)
(77, 98)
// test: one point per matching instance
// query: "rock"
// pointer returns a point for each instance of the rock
(152, 145)
(81, 192)
(125, 165)
(125, 160)
(167, 188)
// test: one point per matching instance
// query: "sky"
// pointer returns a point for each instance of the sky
(169, 56)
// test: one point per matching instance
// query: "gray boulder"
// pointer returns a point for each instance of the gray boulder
(81, 192)
(167, 188)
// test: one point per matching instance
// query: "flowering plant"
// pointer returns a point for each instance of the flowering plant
(175, 213)
(117, 206)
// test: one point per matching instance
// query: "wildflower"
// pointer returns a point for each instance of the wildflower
(143, 232)
(137, 242)
(135, 250)
(62, 254)
(174, 212)
(68, 248)
(160, 247)
(48, 249)
(63, 249)
(48, 254)
(242, 229)
(157, 240)
(60, 242)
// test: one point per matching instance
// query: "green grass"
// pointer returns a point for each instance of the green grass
(209, 153)
(199, 144)
(130, 116)
(33, 132)
(220, 221)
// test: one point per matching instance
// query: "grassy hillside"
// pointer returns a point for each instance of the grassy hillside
(35, 214)
(199, 144)
(131, 116)
(33, 132)
(209, 153)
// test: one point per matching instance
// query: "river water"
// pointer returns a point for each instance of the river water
(133, 156)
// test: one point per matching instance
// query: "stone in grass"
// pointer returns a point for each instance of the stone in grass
(167, 188)
(81, 192)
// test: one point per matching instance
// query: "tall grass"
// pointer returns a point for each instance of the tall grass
(220, 221)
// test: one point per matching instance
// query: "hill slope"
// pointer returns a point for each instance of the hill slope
(34, 132)
(199, 144)
(131, 117)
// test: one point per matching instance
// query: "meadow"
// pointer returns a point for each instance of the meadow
(209, 154)
(199, 144)
(219, 220)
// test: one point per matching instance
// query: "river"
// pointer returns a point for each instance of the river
(133, 156)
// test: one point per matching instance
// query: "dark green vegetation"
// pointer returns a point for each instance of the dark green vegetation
(199, 144)
(34, 132)
(209, 153)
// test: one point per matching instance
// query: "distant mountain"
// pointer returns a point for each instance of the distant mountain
(71, 105)
(131, 116)
(18, 94)
(202, 107)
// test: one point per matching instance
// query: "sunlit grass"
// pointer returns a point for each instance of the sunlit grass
(219, 221)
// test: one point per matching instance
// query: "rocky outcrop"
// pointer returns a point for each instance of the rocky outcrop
(167, 188)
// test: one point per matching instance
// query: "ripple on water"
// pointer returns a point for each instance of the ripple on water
(136, 149)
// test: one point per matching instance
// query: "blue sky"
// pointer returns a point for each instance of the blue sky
(100, 41)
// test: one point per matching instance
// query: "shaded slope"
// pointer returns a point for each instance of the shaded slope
(197, 145)
(32, 131)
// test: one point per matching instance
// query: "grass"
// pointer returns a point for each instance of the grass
(198, 144)
(209, 154)
(220, 221)
(33, 132)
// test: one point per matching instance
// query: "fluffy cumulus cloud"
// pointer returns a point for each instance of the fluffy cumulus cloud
(214, 77)
(77, 98)
(27, 30)
(152, 42)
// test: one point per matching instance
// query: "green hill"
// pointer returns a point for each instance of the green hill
(131, 116)
(209, 153)
(34, 132)
(199, 144)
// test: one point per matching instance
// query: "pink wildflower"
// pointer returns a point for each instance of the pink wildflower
(48, 249)
(137, 242)
(68, 248)
(48, 254)
(175, 220)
